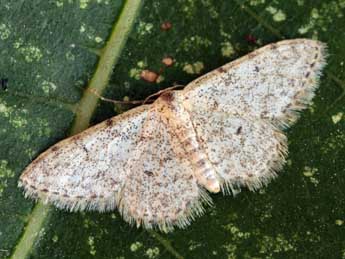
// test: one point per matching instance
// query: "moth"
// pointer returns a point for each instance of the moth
(156, 162)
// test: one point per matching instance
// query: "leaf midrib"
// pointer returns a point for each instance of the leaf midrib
(85, 108)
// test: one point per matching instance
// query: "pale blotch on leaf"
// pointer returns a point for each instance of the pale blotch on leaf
(82, 28)
(87, 223)
(4, 110)
(266, 212)
(30, 152)
(48, 87)
(230, 248)
(142, 64)
(25, 137)
(192, 245)
(83, 3)
(300, 2)
(188, 8)
(209, 5)
(194, 42)
(256, 2)
(59, 3)
(4, 31)
(152, 253)
(91, 243)
(160, 79)
(98, 39)
(18, 43)
(43, 129)
(324, 17)
(69, 55)
(135, 73)
(5, 174)
(339, 222)
(18, 121)
(310, 173)
(236, 233)
(55, 238)
(31, 53)
(337, 117)
(236, 238)
(278, 15)
(227, 49)
(144, 28)
(223, 33)
(194, 68)
(275, 245)
(136, 246)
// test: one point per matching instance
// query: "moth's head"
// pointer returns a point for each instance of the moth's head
(168, 102)
(165, 100)
(167, 97)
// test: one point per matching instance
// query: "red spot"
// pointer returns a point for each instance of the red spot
(250, 38)
(149, 76)
(165, 26)
(168, 61)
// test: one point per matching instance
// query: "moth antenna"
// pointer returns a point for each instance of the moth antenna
(159, 93)
(94, 91)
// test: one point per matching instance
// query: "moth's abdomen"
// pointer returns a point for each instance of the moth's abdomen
(203, 169)
(179, 122)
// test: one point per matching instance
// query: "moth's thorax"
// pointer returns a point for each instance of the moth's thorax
(173, 113)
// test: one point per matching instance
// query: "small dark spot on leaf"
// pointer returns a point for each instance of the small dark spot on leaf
(250, 39)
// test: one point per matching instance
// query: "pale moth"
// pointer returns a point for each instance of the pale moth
(155, 162)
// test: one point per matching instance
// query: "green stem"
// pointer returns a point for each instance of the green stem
(37, 218)
(109, 56)
(85, 108)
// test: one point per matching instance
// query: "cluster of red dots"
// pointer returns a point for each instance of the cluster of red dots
(152, 76)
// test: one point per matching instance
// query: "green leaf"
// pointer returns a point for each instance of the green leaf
(51, 51)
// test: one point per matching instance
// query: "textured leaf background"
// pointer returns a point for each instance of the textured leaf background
(49, 51)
